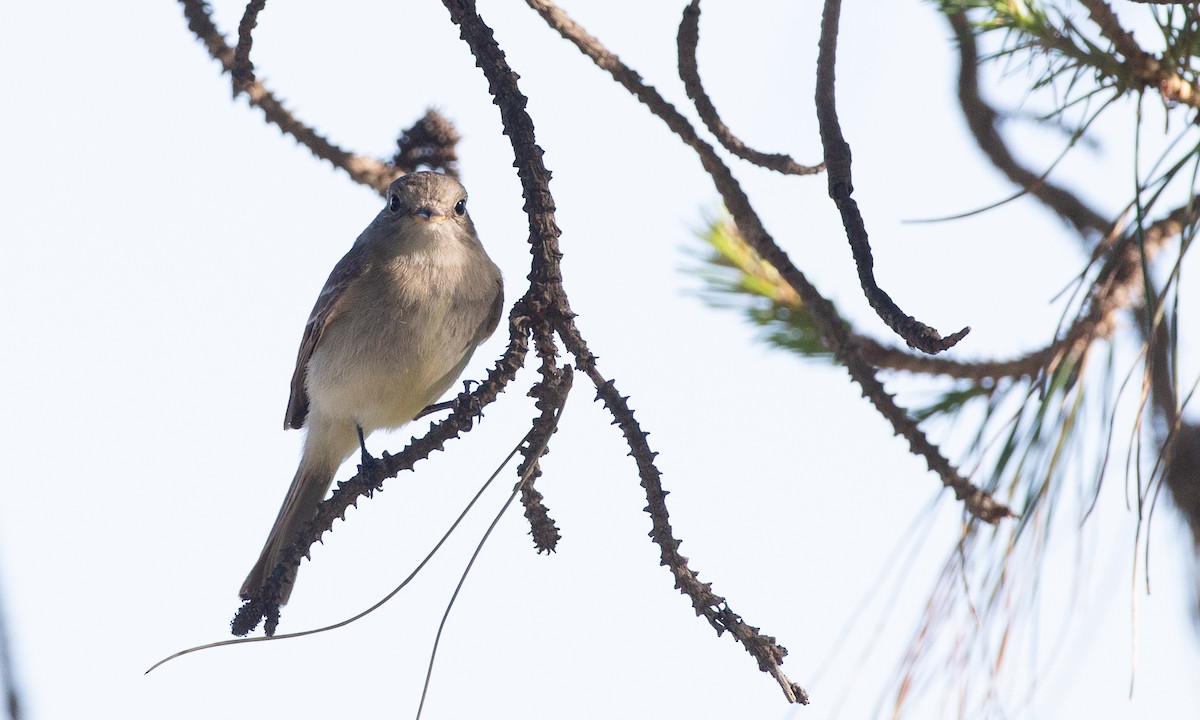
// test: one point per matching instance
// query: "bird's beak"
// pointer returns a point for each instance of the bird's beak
(430, 216)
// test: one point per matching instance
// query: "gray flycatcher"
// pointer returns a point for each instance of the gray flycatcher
(393, 328)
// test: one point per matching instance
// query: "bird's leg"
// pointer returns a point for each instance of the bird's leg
(367, 460)
(466, 401)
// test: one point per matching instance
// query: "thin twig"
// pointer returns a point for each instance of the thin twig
(689, 72)
(837, 166)
(430, 143)
(705, 602)
(361, 168)
(541, 526)
(242, 73)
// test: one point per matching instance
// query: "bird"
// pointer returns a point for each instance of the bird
(392, 329)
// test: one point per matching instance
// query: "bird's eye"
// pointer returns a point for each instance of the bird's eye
(460, 208)
(394, 203)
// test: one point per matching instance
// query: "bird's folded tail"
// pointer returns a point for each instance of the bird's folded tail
(308, 489)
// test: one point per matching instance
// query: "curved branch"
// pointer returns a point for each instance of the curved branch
(689, 72)
(981, 121)
(361, 168)
(837, 165)
(978, 502)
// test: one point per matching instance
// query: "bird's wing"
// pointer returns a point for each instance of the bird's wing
(493, 316)
(348, 270)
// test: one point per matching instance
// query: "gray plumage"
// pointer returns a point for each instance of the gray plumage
(392, 329)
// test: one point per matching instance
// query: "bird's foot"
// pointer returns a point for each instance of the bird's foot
(368, 461)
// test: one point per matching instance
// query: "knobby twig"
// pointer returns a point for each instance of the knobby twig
(544, 233)
(430, 143)
(242, 73)
(541, 526)
(689, 72)
(713, 607)
(361, 168)
(837, 164)
(834, 333)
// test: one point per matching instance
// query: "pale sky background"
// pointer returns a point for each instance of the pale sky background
(162, 247)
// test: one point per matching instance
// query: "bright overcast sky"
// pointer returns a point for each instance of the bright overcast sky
(162, 247)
